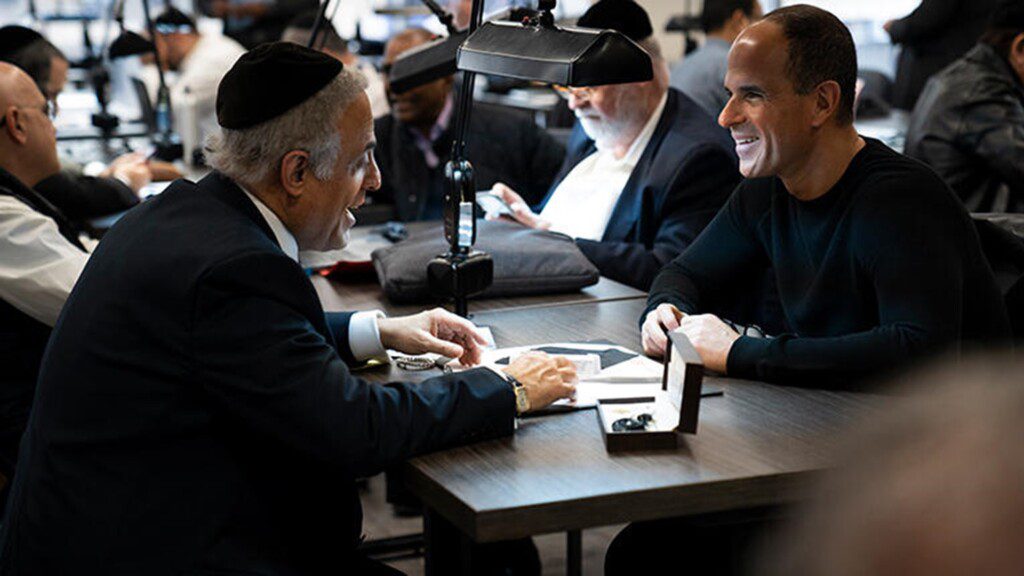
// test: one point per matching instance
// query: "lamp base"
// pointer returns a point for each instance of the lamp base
(459, 276)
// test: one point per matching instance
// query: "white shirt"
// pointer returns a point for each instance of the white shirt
(363, 332)
(582, 204)
(39, 267)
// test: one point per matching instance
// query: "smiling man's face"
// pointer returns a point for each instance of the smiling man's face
(770, 123)
(329, 216)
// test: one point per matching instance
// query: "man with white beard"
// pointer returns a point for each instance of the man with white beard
(646, 167)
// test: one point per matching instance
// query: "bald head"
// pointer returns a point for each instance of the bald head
(28, 144)
(404, 41)
(15, 86)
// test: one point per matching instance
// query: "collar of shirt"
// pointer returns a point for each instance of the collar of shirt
(425, 144)
(284, 238)
(582, 204)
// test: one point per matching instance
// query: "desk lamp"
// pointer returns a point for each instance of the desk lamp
(532, 49)
(168, 145)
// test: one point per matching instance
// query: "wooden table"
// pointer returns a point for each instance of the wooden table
(756, 446)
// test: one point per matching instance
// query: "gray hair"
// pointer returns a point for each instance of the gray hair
(251, 155)
(658, 63)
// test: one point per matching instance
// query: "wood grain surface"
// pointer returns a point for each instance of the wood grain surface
(756, 445)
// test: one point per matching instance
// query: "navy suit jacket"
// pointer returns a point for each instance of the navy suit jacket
(683, 178)
(193, 415)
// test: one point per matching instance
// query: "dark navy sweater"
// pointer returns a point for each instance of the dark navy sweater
(884, 267)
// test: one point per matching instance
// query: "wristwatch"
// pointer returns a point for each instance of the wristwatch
(522, 400)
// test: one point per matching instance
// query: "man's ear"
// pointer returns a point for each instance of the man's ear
(14, 126)
(827, 97)
(295, 173)
(1017, 55)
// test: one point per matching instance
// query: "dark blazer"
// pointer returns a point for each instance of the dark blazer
(503, 146)
(684, 176)
(934, 35)
(193, 415)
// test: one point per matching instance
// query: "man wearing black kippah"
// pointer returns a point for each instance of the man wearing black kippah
(195, 412)
(646, 167)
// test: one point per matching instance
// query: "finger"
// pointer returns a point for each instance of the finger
(656, 335)
(667, 317)
(442, 347)
(568, 373)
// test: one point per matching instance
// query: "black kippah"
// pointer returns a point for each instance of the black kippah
(270, 80)
(626, 16)
(14, 38)
(1009, 14)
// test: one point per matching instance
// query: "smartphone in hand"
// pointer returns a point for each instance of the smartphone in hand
(493, 203)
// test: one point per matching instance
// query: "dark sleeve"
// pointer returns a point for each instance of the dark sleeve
(337, 323)
(84, 197)
(912, 248)
(695, 193)
(727, 249)
(931, 18)
(544, 156)
(263, 362)
(993, 128)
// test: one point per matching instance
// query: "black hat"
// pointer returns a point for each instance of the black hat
(1009, 15)
(14, 38)
(270, 80)
(174, 20)
(625, 16)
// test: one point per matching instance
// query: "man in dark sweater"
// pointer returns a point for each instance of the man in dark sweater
(875, 259)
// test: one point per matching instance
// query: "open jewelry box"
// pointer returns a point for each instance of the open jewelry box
(652, 422)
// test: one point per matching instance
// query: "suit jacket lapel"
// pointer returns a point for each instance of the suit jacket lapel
(630, 205)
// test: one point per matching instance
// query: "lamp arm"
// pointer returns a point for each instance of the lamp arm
(318, 24)
(446, 18)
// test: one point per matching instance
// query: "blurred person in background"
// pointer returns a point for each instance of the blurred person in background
(701, 73)
(931, 485)
(969, 122)
(414, 143)
(79, 197)
(932, 36)
(330, 42)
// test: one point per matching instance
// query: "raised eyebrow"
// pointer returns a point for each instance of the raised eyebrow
(750, 88)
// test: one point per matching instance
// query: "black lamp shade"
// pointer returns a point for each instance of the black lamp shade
(129, 44)
(425, 63)
(566, 56)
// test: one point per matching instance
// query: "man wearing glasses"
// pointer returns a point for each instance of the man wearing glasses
(42, 255)
(646, 167)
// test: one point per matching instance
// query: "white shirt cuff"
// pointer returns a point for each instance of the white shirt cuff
(364, 336)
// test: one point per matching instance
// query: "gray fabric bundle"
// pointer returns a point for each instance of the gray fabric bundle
(526, 261)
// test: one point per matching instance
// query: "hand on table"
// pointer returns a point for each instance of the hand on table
(433, 331)
(520, 209)
(131, 169)
(545, 378)
(711, 337)
(664, 318)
